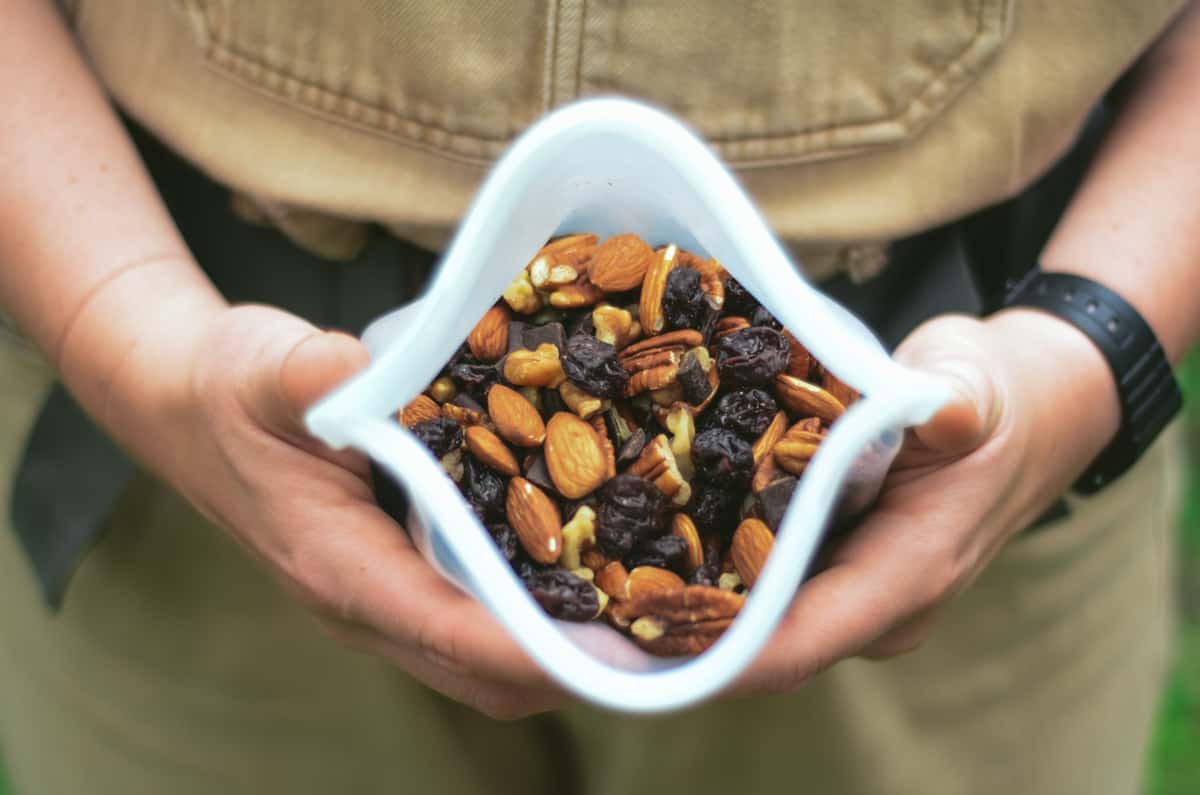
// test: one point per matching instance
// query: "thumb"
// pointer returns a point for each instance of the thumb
(313, 367)
(957, 357)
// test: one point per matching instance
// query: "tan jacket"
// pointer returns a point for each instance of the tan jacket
(852, 122)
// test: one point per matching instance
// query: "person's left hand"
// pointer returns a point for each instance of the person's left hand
(1034, 404)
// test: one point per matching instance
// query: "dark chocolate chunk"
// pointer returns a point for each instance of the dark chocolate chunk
(775, 499)
(553, 333)
(631, 449)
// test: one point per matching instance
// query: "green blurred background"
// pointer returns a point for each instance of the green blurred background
(1173, 764)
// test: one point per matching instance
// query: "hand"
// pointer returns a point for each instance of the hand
(1035, 403)
(236, 447)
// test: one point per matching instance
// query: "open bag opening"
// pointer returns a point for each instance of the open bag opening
(612, 166)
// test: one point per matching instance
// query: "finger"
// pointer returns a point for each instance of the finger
(498, 700)
(948, 350)
(905, 637)
(893, 571)
(360, 566)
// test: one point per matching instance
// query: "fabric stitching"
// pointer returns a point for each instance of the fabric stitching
(954, 76)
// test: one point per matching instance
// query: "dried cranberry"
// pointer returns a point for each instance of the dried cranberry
(665, 552)
(751, 356)
(631, 510)
(738, 300)
(746, 412)
(441, 435)
(564, 596)
(506, 539)
(485, 489)
(592, 366)
(474, 379)
(723, 457)
(713, 509)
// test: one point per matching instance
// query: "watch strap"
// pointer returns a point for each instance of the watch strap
(1146, 386)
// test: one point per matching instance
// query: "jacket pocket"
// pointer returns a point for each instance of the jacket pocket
(787, 82)
(461, 78)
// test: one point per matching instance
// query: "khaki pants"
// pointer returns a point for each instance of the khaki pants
(177, 666)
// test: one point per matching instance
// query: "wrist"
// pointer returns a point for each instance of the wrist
(1062, 381)
(127, 354)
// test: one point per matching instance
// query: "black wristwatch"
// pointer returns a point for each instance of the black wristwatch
(1148, 392)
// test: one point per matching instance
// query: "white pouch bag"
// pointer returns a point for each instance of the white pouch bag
(610, 166)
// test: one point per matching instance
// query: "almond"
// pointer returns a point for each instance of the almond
(489, 339)
(611, 579)
(576, 462)
(805, 399)
(536, 520)
(644, 579)
(752, 542)
(421, 409)
(653, 287)
(620, 263)
(774, 432)
(515, 417)
(683, 527)
(488, 448)
(839, 389)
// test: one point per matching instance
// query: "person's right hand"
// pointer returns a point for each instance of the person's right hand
(235, 446)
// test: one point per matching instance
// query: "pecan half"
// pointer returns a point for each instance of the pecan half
(657, 464)
(680, 622)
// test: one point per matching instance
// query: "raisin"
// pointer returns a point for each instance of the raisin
(738, 300)
(592, 366)
(441, 435)
(752, 356)
(713, 509)
(665, 552)
(485, 490)
(722, 456)
(526, 568)
(747, 412)
(506, 539)
(693, 379)
(631, 510)
(761, 316)
(683, 303)
(474, 379)
(564, 596)
(632, 448)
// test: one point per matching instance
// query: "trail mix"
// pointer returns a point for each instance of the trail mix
(629, 424)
